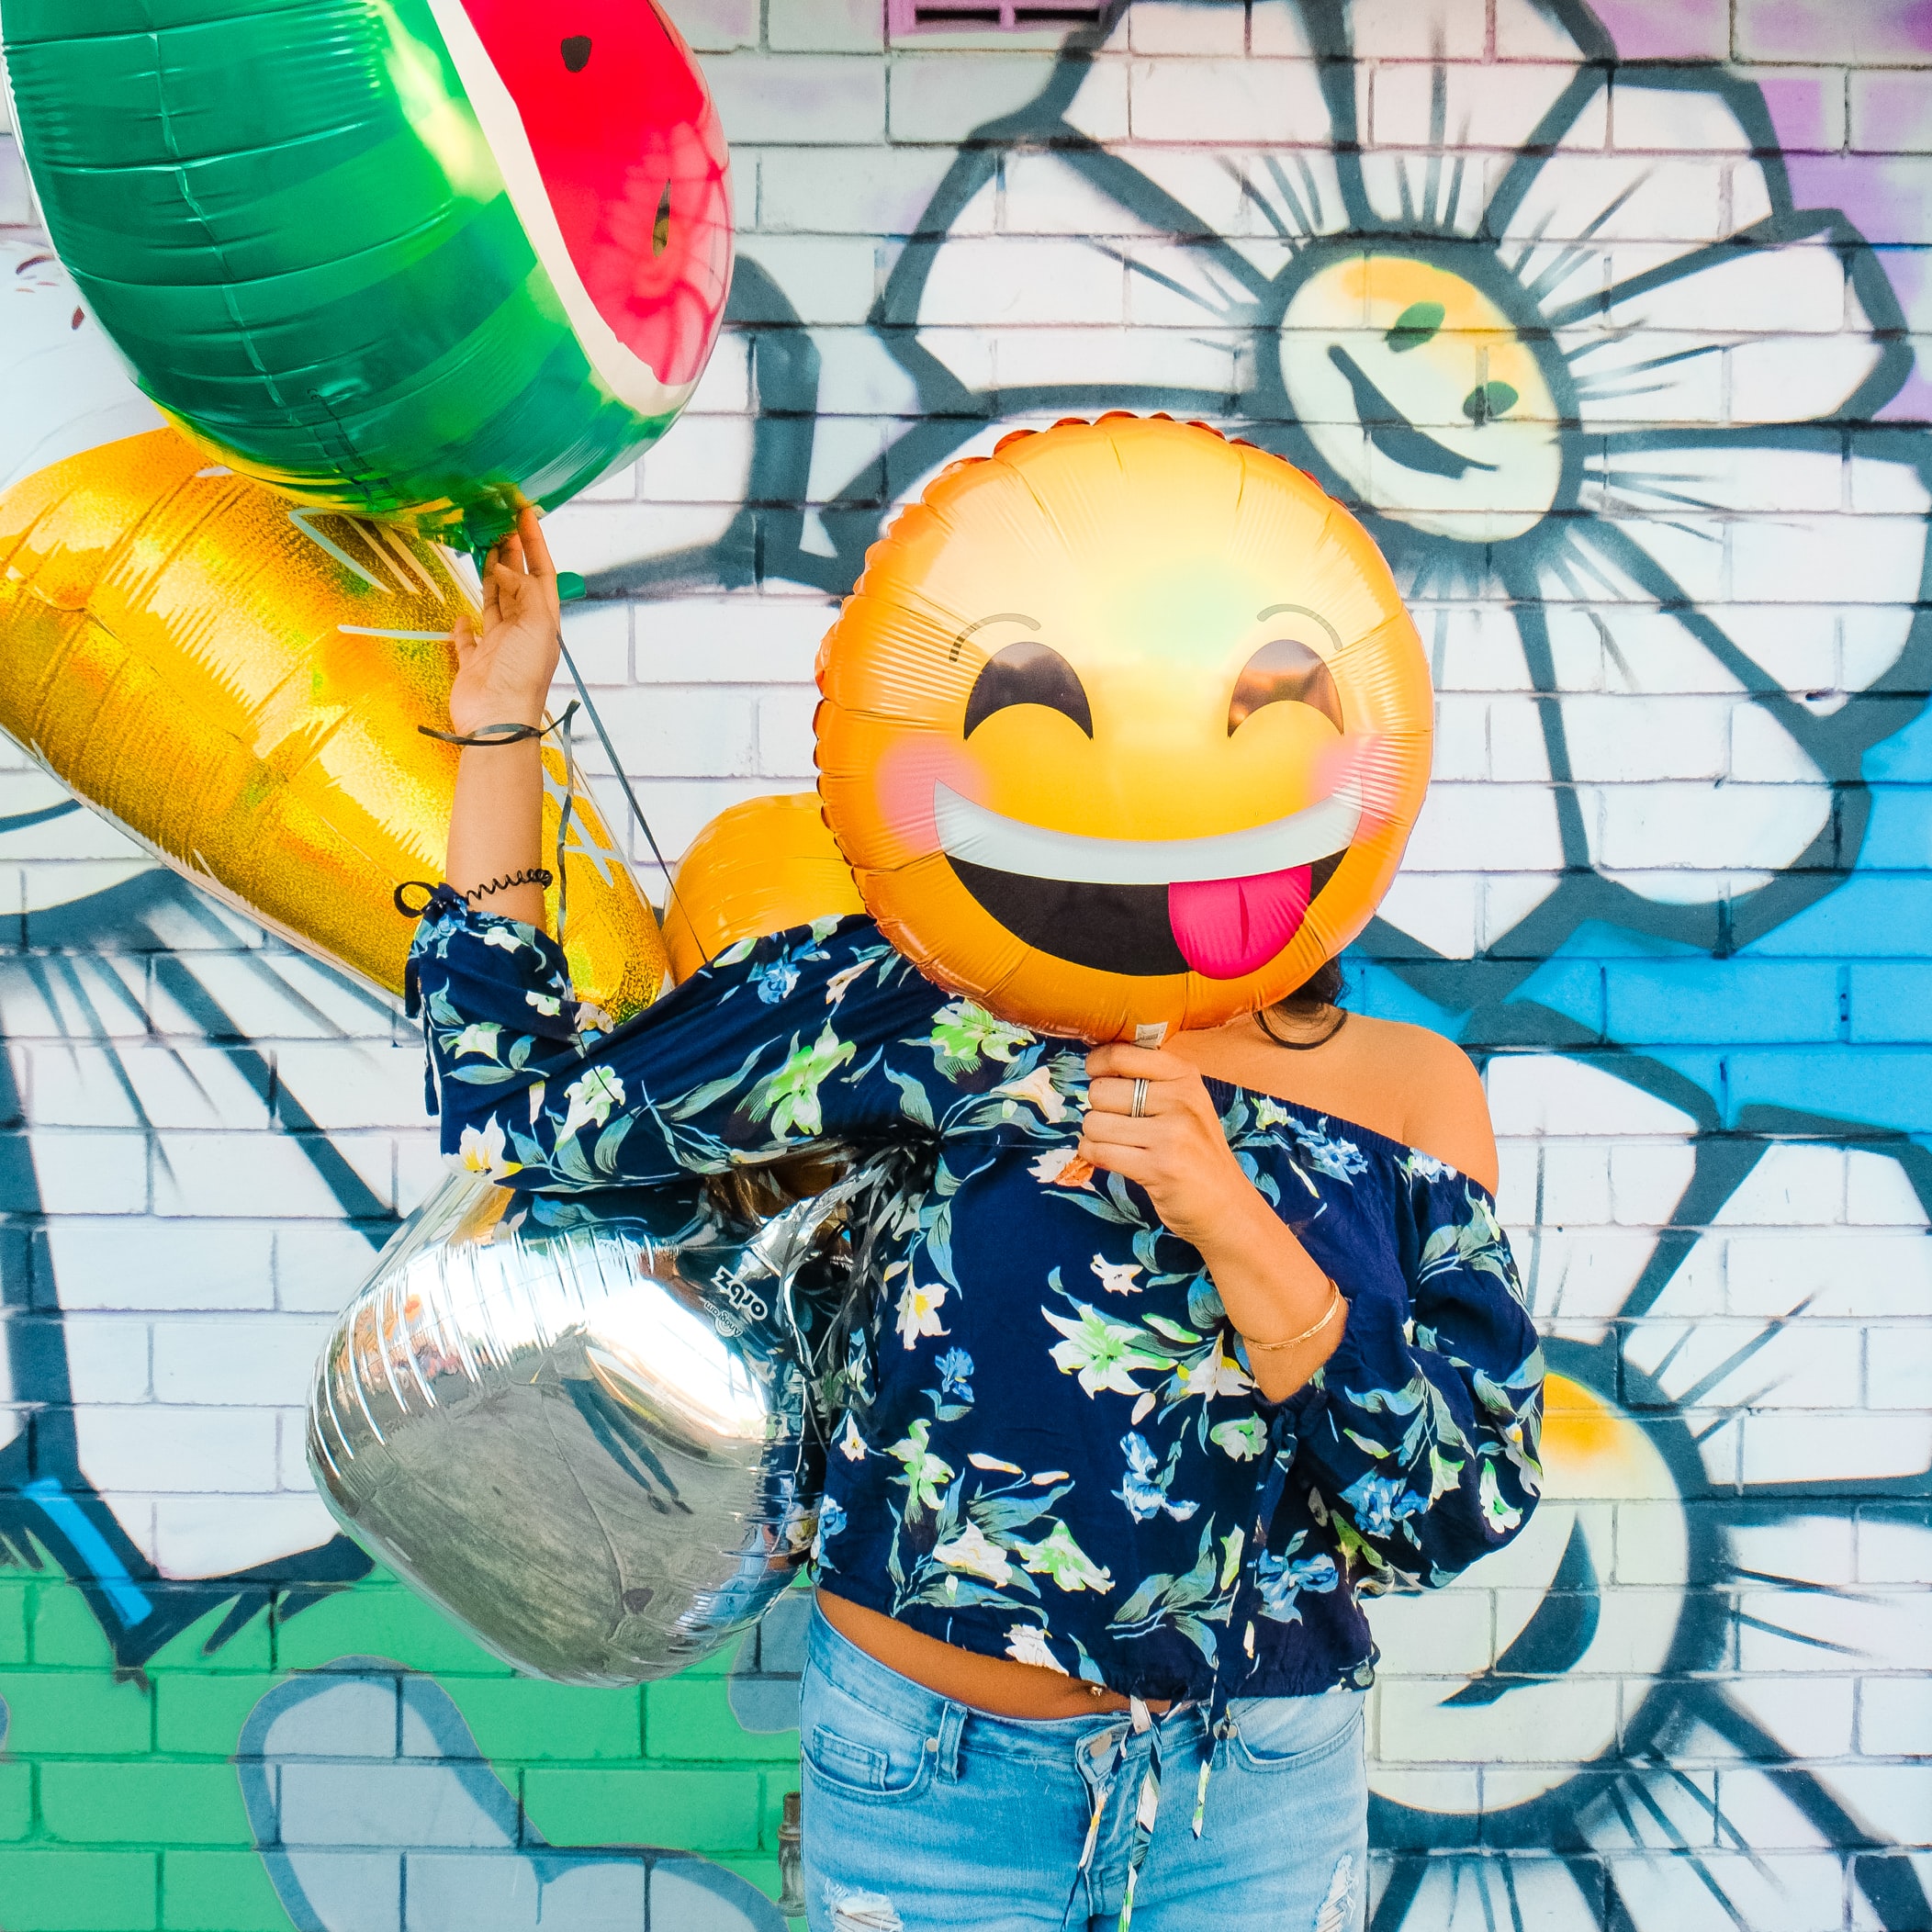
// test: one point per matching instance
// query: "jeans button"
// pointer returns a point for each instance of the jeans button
(932, 1744)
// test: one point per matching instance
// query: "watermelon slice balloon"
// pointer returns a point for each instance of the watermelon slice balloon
(420, 260)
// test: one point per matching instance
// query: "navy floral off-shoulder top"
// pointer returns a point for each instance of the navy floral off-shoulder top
(1064, 1459)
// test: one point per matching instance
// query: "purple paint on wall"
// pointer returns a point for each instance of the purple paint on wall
(1687, 30)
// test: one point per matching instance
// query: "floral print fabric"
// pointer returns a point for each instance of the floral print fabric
(1064, 1459)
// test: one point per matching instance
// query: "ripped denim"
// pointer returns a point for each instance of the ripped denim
(923, 1816)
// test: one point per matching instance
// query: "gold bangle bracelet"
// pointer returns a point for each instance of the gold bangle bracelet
(1308, 1334)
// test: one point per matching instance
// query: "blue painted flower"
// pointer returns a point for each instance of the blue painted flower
(1380, 1503)
(955, 1366)
(1282, 1579)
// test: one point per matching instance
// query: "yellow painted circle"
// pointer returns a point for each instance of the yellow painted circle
(1413, 384)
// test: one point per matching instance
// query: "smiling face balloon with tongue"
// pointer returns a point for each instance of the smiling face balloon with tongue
(1124, 726)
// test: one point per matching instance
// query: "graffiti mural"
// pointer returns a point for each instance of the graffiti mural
(1582, 311)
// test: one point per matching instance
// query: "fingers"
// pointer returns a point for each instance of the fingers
(1115, 1095)
(1131, 1163)
(1149, 1063)
(536, 552)
(464, 638)
(1125, 1130)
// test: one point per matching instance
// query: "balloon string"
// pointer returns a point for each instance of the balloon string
(644, 825)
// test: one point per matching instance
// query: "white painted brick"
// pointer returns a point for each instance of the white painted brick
(665, 731)
(260, 1360)
(1416, 1729)
(210, 1536)
(599, 635)
(1817, 1547)
(353, 1084)
(837, 191)
(152, 1452)
(97, 997)
(245, 1175)
(797, 98)
(142, 1085)
(826, 278)
(271, 996)
(745, 639)
(419, 1168)
(1441, 1633)
(1895, 1717)
(87, 1173)
(1864, 1447)
(825, 26)
(319, 1269)
(709, 463)
(1175, 27)
(178, 1265)
(1841, 1272)
(107, 1358)
(1898, 1372)
(939, 97)
(716, 26)
(785, 740)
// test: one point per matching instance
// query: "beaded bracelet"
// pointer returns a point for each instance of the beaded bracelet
(1308, 1334)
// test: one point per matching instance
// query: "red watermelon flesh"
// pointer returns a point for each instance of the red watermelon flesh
(625, 138)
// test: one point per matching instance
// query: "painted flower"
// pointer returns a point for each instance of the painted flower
(479, 1037)
(1060, 1558)
(1244, 1440)
(1282, 1579)
(1328, 1154)
(1062, 1167)
(1144, 1486)
(1498, 1512)
(919, 1304)
(851, 1444)
(1117, 1276)
(1038, 1088)
(503, 936)
(791, 1094)
(776, 981)
(1379, 1502)
(926, 1475)
(972, 1551)
(546, 1003)
(1027, 1644)
(963, 1035)
(591, 1097)
(1103, 1354)
(1591, 411)
(955, 1368)
(831, 1520)
(481, 1150)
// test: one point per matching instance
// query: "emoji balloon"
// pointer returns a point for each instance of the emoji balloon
(238, 683)
(426, 261)
(1124, 728)
(758, 867)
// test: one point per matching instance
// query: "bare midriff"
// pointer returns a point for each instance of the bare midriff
(993, 1684)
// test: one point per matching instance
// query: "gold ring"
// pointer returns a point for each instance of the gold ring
(1140, 1105)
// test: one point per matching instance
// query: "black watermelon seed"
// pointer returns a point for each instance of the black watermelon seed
(577, 53)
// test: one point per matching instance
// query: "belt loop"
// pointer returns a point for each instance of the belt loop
(952, 1730)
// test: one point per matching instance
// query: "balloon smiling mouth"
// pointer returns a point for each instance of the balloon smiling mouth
(1221, 906)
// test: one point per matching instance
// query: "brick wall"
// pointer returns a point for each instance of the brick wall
(1672, 887)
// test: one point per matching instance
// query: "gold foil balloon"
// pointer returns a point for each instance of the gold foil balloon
(758, 867)
(238, 683)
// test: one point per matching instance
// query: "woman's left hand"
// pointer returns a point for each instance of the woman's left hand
(1175, 1149)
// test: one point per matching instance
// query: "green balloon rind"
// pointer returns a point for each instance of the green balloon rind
(325, 282)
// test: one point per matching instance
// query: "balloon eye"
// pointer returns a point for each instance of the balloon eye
(1027, 673)
(1284, 670)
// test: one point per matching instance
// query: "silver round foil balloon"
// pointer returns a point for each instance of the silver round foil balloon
(584, 1425)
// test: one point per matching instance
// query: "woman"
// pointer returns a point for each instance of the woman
(1179, 1353)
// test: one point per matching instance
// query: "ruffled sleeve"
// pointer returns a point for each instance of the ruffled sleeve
(821, 1032)
(1420, 1433)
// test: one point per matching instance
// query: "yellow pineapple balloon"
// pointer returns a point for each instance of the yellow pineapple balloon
(758, 867)
(238, 682)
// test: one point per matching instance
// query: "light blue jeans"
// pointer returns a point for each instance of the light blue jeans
(922, 1816)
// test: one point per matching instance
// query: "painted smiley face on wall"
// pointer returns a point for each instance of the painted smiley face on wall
(1125, 726)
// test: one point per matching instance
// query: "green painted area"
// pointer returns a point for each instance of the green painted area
(380, 1619)
(158, 1803)
(46, 1891)
(120, 1805)
(701, 1810)
(218, 1892)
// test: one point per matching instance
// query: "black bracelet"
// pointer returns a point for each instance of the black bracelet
(532, 875)
(500, 733)
(445, 898)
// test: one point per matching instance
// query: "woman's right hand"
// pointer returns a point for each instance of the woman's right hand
(503, 677)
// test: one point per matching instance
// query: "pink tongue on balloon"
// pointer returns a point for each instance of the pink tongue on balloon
(1226, 927)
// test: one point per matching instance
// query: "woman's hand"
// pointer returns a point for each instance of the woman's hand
(1269, 1283)
(1175, 1150)
(503, 677)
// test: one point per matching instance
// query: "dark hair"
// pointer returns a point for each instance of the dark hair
(1318, 996)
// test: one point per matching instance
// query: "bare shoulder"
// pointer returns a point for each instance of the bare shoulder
(1444, 1109)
